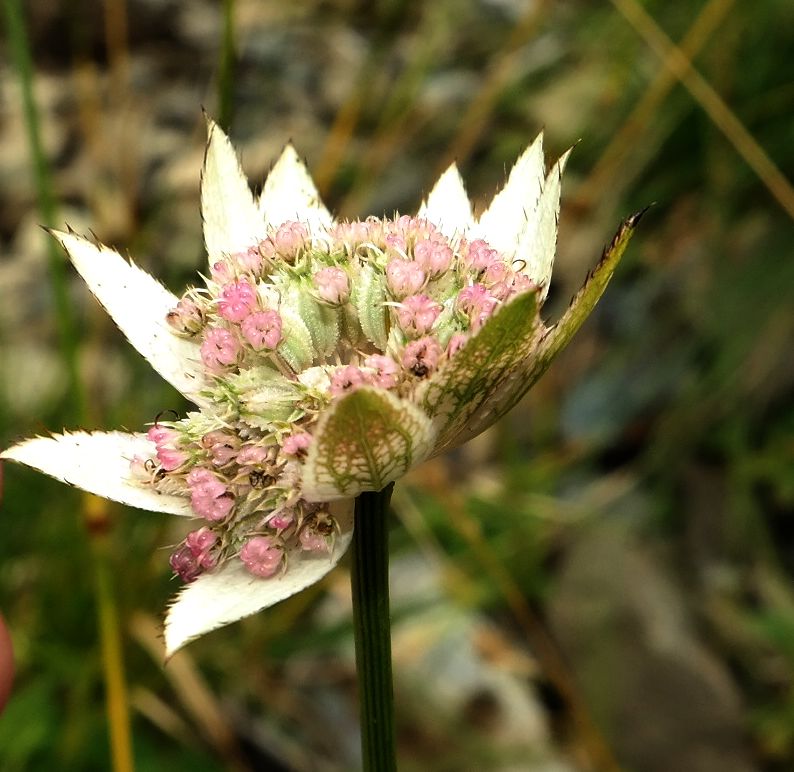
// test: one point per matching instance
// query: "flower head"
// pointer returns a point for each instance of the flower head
(325, 359)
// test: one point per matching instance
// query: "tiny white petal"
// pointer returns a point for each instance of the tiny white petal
(231, 593)
(138, 304)
(232, 222)
(448, 206)
(290, 194)
(538, 242)
(98, 462)
(502, 223)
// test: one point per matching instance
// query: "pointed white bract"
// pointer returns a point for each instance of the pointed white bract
(327, 359)
(448, 206)
(232, 222)
(290, 194)
(99, 463)
(538, 242)
(222, 597)
(516, 203)
(138, 305)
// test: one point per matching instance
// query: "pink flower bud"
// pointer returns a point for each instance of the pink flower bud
(479, 256)
(221, 272)
(249, 259)
(262, 330)
(296, 444)
(200, 543)
(215, 508)
(219, 350)
(522, 283)
(421, 356)
(222, 447)
(262, 556)
(201, 540)
(404, 277)
(456, 343)
(139, 468)
(346, 379)
(187, 318)
(251, 455)
(497, 271)
(356, 232)
(417, 314)
(386, 371)
(165, 440)
(290, 238)
(332, 285)
(280, 521)
(311, 541)
(433, 256)
(267, 250)
(238, 299)
(184, 564)
(203, 483)
(171, 459)
(477, 303)
(396, 242)
(162, 435)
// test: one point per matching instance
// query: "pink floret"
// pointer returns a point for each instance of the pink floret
(262, 556)
(262, 330)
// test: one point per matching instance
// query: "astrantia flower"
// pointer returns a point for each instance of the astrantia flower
(325, 359)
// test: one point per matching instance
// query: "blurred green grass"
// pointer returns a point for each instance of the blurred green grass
(671, 413)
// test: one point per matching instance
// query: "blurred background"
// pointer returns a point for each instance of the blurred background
(604, 580)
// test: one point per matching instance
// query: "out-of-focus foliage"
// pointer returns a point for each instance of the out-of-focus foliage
(637, 505)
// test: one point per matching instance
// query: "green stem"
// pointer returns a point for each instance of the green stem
(372, 628)
(20, 52)
(226, 74)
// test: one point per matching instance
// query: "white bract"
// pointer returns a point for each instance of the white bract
(325, 359)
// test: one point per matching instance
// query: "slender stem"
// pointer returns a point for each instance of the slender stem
(107, 610)
(20, 52)
(226, 74)
(116, 697)
(372, 627)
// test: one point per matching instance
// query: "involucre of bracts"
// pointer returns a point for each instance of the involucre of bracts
(324, 358)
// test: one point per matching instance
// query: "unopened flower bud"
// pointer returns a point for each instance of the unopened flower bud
(238, 300)
(421, 356)
(346, 379)
(262, 556)
(386, 370)
(184, 564)
(404, 277)
(417, 314)
(262, 330)
(290, 238)
(456, 343)
(186, 318)
(333, 286)
(219, 349)
(296, 444)
(479, 256)
(433, 256)
(221, 272)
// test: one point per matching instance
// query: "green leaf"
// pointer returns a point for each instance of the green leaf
(363, 442)
(369, 296)
(584, 301)
(557, 337)
(460, 390)
(265, 396)
(321, 321)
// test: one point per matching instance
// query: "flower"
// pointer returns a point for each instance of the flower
(325, 359)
